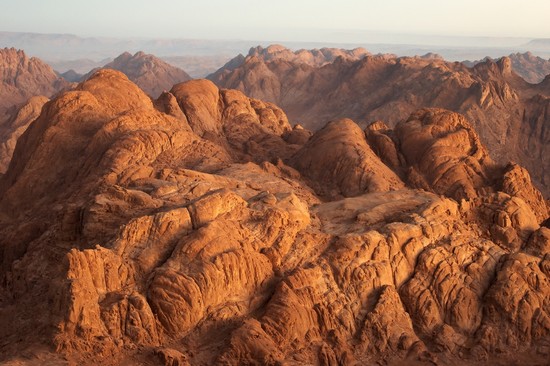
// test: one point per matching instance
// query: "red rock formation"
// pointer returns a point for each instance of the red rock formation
(443, 153)
(177, 234)
(339, 161)
(315, 57)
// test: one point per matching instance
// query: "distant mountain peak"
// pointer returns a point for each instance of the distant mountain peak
(149, 72)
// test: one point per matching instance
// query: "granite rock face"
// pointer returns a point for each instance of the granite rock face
(201, 228)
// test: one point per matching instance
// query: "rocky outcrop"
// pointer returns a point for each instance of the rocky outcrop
(443, 153)
(25, 85)
(339, 161)
(202, 229)
(314, 57)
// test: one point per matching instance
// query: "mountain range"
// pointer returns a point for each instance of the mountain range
(202, 228)
(383, 214)
(508, 112)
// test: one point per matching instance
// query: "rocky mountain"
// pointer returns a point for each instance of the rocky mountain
(508, 112)
(201, 228)
(25, 84)
(530, 67)
(314, 57)
(22, 77)
(150, 73)
(71, 76)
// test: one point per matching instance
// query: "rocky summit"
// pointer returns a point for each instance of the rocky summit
(201, 228)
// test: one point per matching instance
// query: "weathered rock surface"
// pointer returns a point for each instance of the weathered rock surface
(510, 115)
(202, 229)
(315, 57)
(444, 154)
(351, 167)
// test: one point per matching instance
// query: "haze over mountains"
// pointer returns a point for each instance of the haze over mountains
(320, 85)
(23, 77)
(66, 51)
(530, 67)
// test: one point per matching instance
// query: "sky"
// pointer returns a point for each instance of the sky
(291, 20)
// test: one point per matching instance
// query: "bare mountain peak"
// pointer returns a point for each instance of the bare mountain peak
(151, 73)
(21, 79)
(531, 68)
(124, 56)
(505, 65)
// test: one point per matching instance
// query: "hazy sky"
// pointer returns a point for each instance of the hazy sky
(275, 19)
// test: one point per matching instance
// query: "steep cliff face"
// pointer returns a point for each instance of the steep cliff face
(202, 229)
(506, 111)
